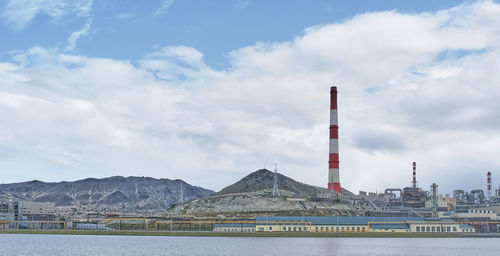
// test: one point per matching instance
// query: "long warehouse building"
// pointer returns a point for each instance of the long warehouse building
(357, 224)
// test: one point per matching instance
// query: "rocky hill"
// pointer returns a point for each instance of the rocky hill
(113, 193)
(263, 179)
(252, 196)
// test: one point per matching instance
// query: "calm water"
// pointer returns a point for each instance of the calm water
(54, 245)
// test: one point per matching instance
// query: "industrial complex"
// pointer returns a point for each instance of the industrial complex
(397, 209)
(408, 209)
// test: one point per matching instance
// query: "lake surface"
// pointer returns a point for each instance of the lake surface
(54, 245)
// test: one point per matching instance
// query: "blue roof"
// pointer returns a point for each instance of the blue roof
(390, 225)
(442, 220)
(336, 220)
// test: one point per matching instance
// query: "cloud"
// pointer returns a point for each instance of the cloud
(185, 54)
(402, 98)
(165, 4)
(19, 13)
(77, 34)
(242, 4)
(123, 16)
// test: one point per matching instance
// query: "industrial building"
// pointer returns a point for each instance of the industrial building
(407, 202)
(9, 209)
(38, 210)
(414, 201)
(234, 227)
(357, 224)
(16, 210)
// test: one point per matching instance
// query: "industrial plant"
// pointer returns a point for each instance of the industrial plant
(263, 201)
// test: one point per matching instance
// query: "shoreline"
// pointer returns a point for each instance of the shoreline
(248, 234)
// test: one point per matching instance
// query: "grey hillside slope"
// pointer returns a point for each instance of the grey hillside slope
(114, 192)
(263, 180)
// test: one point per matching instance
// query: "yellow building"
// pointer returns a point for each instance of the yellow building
(356, 224)
(234, 227)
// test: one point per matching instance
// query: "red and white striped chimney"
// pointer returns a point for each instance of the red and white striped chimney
(488, 181)
(333, 162)
(414, 182)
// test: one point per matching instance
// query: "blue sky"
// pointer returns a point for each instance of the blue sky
(209, 91)
(130, 29)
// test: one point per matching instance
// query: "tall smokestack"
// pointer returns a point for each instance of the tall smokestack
(488, 181)
(333, 162)
(414, 181)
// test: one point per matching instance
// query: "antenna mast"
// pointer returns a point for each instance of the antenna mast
(276, 191)
(182, 194)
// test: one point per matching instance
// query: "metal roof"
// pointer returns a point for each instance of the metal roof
(390, 225)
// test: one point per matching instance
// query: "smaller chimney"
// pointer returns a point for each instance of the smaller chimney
(414, 181)
(488, 182)
(434, 200)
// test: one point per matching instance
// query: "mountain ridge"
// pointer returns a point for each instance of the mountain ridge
(113, 193)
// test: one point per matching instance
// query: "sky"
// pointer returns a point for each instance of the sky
(209, 91)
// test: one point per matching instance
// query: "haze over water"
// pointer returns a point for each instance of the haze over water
(81, 245)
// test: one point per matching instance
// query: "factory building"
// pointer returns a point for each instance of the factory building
(13, 210)
(441, 225)
(357, 224)
(477, 213)
(441, 204)
(234, 227)
(38, 211)
(10, 209)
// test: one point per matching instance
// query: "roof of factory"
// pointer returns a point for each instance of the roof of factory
(390, 225)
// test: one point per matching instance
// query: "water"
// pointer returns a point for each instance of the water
(79, 245)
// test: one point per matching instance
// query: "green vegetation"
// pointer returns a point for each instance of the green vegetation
(227, 234)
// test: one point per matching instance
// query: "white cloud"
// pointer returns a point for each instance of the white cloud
(19, 13)
(412, 87)
(165, 5)
(77, 34)
(185, 54)
(123, 16)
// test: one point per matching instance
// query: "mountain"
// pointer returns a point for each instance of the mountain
(113, 193)
(252, 196)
